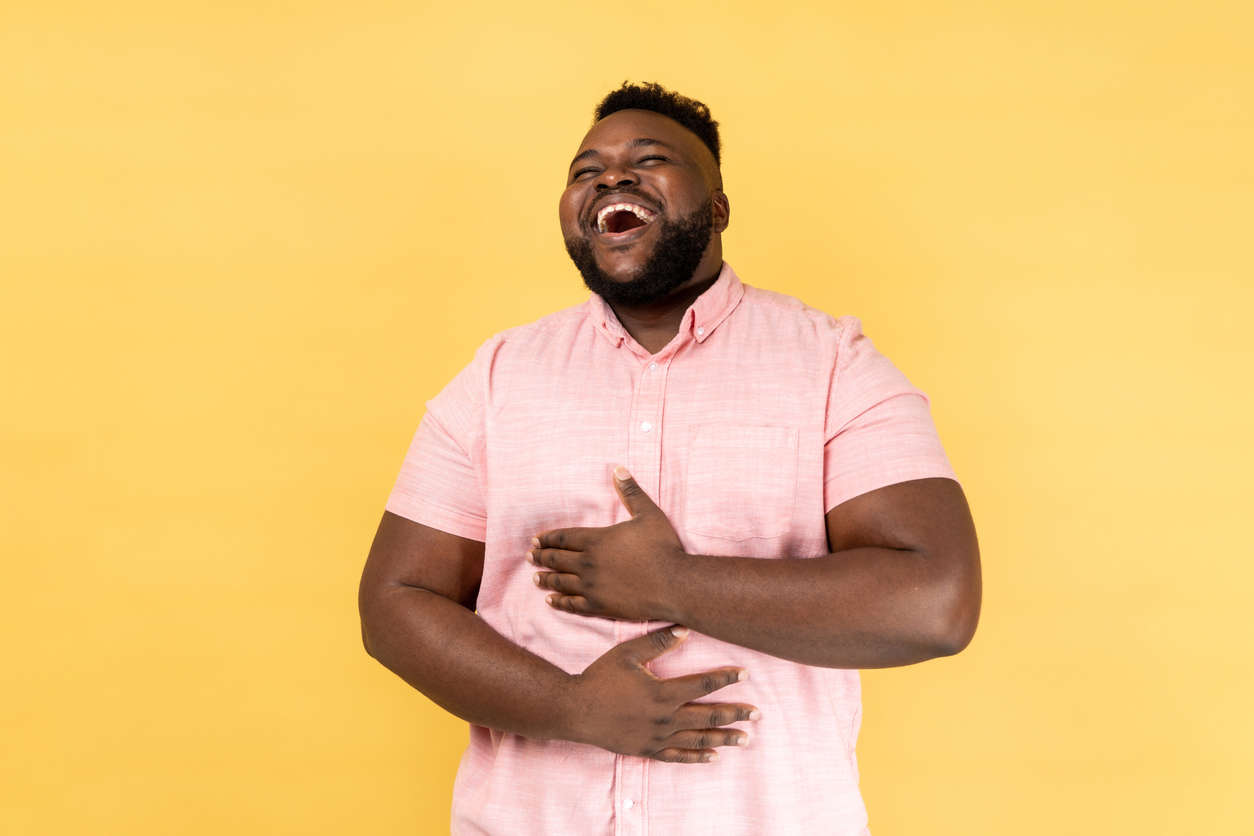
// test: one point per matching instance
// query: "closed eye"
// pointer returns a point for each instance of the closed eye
(581, 172)
(653, 157)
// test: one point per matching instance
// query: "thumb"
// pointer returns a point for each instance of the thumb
(652, 645)
(633, 496)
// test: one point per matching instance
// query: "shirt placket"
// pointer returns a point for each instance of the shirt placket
(644, 460)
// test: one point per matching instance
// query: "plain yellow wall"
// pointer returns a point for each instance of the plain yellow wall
(243, 243)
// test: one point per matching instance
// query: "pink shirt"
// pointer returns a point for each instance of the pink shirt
(756, 419)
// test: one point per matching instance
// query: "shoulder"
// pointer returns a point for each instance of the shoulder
(566, 321)
(531, 342)
(788, 314)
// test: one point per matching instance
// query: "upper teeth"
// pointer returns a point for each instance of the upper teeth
(639, 211)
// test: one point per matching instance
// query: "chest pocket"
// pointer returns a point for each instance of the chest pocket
(741, 482)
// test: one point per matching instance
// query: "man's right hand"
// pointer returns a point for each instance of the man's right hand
(621, 706)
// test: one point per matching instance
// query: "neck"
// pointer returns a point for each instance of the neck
(655, 324)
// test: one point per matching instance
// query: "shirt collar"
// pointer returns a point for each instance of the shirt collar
(703, 316)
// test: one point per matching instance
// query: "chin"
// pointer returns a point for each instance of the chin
(623, 267)
(622, 273)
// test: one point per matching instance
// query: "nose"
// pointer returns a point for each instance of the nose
(613, 178)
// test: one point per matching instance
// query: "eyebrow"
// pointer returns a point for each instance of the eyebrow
(635, 143)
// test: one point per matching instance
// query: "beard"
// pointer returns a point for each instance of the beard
(680, 246)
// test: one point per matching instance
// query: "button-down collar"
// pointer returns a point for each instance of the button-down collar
(703, 316)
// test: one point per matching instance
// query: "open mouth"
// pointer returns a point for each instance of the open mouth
(617, 218)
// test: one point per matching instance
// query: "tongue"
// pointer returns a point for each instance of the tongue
(622, 221)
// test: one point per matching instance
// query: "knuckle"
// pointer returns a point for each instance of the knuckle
(709, 683)
(716, 718)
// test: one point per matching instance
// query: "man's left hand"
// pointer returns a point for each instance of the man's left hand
(620, 571)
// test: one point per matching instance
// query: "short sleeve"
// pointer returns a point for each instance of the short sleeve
(878, 430)
(440, 484)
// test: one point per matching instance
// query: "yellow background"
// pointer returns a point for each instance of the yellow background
(242, 243)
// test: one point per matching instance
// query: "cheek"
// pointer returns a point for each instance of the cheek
(568, 212)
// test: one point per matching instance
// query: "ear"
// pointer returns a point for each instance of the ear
(722, 210)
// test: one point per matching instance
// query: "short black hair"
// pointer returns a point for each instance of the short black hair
(690, 113)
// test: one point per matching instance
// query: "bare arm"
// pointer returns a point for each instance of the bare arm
(416, 600)
(901, 585)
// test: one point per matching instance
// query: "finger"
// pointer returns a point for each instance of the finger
(707, 738)
(559, 582)
(698, 715)
(571, 603)
(686, 755)
(559, 559)
(633, 496)
(683, 689)
(574, 539)
(651, 645)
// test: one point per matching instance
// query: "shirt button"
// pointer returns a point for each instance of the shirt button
(645, 426)
(628, 804)
(652, 366)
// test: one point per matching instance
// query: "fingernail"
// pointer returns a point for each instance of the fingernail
(742, 676)
(679, 632)
(713, 756)
(529, 557)
(620, 473)
(743, 741)
(535, 542)
(755, 714)
(536, 578)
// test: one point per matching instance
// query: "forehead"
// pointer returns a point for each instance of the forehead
(624, 127)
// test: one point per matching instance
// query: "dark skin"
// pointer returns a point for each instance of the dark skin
(675, 174)
(901, 584)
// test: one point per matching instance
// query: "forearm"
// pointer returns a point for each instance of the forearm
(457, 660)
(860, 608)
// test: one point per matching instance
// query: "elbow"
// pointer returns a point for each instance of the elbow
(375, 639)
(953, 636)
(366, 606)
(958, 612)
(365, 640)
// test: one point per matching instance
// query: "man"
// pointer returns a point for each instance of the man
(682, 449)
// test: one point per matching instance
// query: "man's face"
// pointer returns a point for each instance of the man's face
(642, 207)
